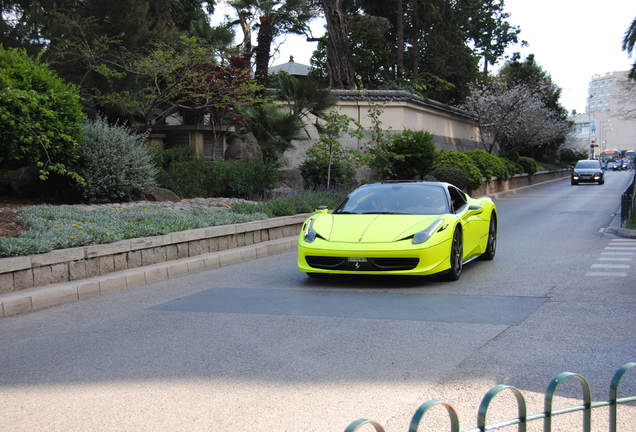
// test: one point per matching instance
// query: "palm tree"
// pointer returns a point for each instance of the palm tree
(629, 43)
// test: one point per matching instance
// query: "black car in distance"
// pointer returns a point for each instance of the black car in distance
(588, 171)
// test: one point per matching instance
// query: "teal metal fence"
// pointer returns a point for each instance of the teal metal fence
(628, 205)
(522, 418)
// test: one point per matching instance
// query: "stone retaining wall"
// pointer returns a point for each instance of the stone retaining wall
(65, 265)
(518, 181)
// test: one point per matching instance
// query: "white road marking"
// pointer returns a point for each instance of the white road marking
(606, 274)
(611, 266)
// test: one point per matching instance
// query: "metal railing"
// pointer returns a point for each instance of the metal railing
(628, 206)
(522, 418)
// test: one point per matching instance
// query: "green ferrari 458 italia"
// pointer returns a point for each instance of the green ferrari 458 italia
(399, 228)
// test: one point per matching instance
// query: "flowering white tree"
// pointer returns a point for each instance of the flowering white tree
(626, 98)
(513, 115)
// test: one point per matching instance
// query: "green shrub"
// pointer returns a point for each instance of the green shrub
(190, 175)
(489, 165)
(452, 175)
(569, 156)
(314, 173)
(529, 165)
(407, 155)
(510, 155)
(40, 115)
(301, 201)
(248, 180)
(513, 168)
(449, 158)
(116, 164)
(183, 171)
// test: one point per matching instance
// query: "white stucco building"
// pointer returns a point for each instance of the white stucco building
(601, 126)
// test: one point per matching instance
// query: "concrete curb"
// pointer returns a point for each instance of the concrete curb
(33, 299)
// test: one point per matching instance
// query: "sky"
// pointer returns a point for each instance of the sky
(571, 40)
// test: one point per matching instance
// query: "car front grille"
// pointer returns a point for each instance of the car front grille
(370, 264)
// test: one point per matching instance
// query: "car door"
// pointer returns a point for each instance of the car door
(474, 227)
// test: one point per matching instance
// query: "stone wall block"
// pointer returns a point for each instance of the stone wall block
(223, 243)
(92, 267)
(6, 283)
(183, 250)
(42, 276)
(275, 233)
(198, 247)
(59, 273)
(134, 259)
(77, 270)
(120, 261)
(23, 279)
(106, 264)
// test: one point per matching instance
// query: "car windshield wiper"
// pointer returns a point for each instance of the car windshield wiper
(379, 212)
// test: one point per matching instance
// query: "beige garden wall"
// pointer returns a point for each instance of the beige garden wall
(452, 128)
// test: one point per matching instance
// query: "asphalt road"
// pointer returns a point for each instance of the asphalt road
(259, 346)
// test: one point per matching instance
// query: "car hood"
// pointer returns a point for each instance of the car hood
(371, 228)
(587, 170)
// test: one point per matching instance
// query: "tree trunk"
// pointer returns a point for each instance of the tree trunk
(339, 58)
(415, 42)
(400, 39)
(163, 10)
(264, 40)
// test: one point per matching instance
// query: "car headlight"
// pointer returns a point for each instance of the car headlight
(422, 236)
(310, 234)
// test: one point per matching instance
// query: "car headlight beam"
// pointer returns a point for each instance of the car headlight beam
(422, 236)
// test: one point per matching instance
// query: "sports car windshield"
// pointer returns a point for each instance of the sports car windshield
(396, 199)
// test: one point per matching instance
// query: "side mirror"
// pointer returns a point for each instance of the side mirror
(322, 209)
(474, 210)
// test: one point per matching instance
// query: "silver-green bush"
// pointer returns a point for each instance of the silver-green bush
(115, 163)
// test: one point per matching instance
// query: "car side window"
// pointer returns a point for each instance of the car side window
(458, 198)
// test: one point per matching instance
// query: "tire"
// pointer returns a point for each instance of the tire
(491, 246)
(574, 183)
(456, 256)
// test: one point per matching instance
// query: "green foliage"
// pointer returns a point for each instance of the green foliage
(181, 77)
(510, 155)
(314, 172)
(190, 175)
(328, 161)
(182, 171)
(274, 129)
(449, 158)
(513, 167)
(116, 164)
(298, 202)
(40, 116)
(529, 165)
(570, 156)
(452, 175)
(489, 165)
(407, 155)
(249, 180)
